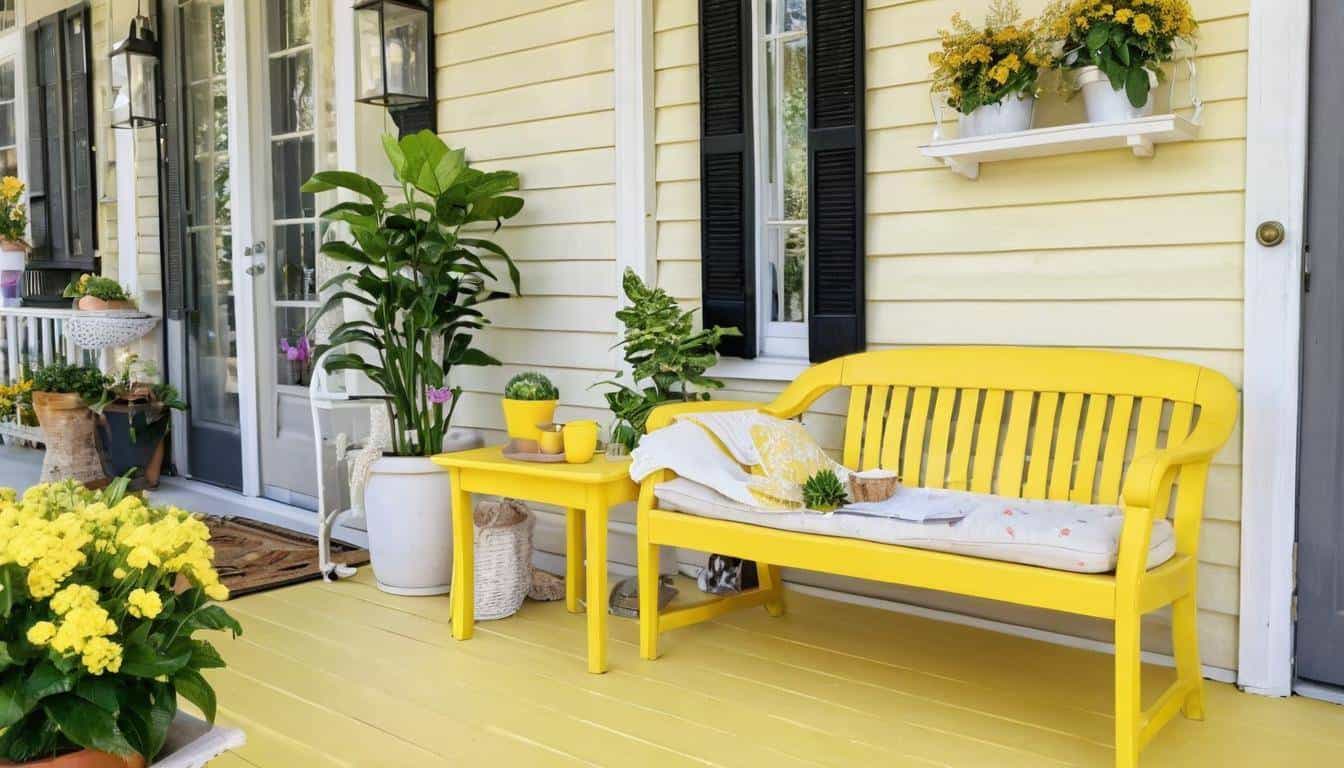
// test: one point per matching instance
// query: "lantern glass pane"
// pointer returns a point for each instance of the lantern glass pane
(121, 91)
(144, 87)
(369, 54)
(406, 42)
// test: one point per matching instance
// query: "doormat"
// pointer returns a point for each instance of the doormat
(254, 557)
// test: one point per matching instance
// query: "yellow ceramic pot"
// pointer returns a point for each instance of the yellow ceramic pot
(551, 439)
(521, 417)
(580, 441)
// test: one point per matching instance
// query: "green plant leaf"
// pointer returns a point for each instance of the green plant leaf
(146, 724)
(213, 617)
(204, 655)
(13, 704)
(324, 181)
(495, 208)
(104, 691)
(1098, 35)
(46, 680)
(394, 154)
(1136, 86)
(193, 687)
(6, 661)
(86, 724)
(143, 661)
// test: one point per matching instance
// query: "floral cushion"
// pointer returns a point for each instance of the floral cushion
(789, 454)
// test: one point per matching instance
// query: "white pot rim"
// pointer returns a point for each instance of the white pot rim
(1092, 74)
(405, 465)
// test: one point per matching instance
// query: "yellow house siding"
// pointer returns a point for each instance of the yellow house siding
(1097, 250)
(527, 85)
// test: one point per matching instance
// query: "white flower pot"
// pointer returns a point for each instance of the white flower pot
(408, 506)
(1104, 104)
(12, 259)
(1011, 115)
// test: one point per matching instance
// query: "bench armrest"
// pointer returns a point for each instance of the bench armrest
(664, 414)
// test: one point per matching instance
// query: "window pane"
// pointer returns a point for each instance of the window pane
(788, 15)
(294, 354)
(295, 263)
(794, 129)
(795, 274)
(7, 125)
(7, 81)
(292, 164)
(9, 162)
(291, 93)
(288, 22)
(214, 386)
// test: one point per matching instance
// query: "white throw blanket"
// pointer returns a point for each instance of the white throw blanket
(688, 450)
(733, 429)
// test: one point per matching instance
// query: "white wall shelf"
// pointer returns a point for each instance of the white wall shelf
(965, 155)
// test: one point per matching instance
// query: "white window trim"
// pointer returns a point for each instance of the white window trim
(1276, 167)
(11, 46)
(775, 340)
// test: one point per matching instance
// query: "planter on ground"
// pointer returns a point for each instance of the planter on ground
(68, 427)
(133, 436)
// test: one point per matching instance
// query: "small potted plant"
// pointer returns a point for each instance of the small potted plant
(63, 396)
(102, 626)
(134, 424)
(299, 355)
(13, 249)
(93, 293)
(988, 74)
(823, 492)
(1116, 49)
(529, 400)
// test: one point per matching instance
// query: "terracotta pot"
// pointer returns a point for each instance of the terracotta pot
(85, 758)
(95, 304)
(68, 432)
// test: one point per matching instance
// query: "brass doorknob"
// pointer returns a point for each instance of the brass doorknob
(1269, 233)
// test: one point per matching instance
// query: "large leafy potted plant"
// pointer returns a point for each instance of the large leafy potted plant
(1117, 48)
(666, 355)
(99, 640)
(63, 395)
(417, 280)
(134, 423)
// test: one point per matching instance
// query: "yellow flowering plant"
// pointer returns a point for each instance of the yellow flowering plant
(13, 212)
(95, 643)
(984, 65)
(1125, 39)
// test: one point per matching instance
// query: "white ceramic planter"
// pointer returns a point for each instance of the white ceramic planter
(408, 506)
(1104, 104)
(12, 260)
(1008, 116)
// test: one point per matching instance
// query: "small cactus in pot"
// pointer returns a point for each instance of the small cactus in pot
(824, 492)
(529, 400)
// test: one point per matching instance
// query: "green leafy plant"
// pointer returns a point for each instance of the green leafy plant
(13, 212)
(976, 66)
(824, 492)
(98, 287)
(148, 403)
(418, 279)
(98, 639)
(666, 355)
(84, 380)
(531, 386)
(1125, 39)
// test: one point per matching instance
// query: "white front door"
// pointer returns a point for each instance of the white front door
(283, 112)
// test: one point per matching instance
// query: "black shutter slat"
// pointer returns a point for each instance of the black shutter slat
(174, 168)
(727, 241)
(82, 205)
(836, 173)
(37, 147)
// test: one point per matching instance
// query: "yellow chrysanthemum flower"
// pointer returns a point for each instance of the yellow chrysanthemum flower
(41, 633)
(101, 655)
(144, 605)
(1143, 23)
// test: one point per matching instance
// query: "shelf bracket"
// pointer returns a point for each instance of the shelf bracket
(969, 169)
(1142, 145)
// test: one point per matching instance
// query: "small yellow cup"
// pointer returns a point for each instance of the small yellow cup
(580, 441)
(550, 439)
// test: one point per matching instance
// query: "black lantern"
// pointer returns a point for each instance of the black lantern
(392, 40)
(135, 77)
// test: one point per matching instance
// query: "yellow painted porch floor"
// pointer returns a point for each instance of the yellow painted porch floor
(342, 674)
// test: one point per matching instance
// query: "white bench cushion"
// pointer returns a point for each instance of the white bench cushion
(1053, 534)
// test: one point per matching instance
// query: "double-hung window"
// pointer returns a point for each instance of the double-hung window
(782, 134)
(9, 127)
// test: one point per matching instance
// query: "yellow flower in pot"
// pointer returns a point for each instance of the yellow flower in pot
(529, 399)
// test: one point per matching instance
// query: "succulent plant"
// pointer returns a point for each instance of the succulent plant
(824, 492)
(531, 386)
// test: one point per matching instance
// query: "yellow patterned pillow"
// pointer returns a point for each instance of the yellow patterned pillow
(789, 454)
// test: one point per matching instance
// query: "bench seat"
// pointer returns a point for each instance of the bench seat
(1061, 535)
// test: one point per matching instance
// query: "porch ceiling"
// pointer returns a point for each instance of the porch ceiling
(342, 674)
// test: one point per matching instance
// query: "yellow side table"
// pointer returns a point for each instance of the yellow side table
(586, 491)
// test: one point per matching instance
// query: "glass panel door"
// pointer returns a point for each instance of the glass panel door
(214, 439)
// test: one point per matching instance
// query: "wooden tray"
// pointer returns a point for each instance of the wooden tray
(526, 450)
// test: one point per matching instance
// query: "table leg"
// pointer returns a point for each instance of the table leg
(574, 551)
(596, 527)
(464, 567)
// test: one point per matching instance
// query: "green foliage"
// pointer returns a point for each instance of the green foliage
(98, 287)
(977, 66)
(667, 357)
(418, 277)
(1125, 39)
(824, 492)
(531, 386)
(84, 380)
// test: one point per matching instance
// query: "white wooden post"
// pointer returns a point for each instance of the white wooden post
(12, 347)
(48, 350)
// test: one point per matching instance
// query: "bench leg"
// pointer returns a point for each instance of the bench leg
(1127, 697)
(647, 557)
(1185, 641)
(768, 576)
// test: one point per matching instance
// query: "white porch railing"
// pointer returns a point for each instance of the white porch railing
(32, 337)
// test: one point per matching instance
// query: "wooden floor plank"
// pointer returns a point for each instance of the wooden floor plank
(343, 674)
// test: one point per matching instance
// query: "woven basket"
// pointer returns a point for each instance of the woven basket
(68, 429)
(503, 557)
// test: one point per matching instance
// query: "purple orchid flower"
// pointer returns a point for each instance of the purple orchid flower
(438, 395)
(298, 352)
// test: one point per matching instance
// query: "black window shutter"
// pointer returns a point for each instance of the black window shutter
(727, 212)
(38, 216)
(835, 139)
(173, 168)
(83, 194)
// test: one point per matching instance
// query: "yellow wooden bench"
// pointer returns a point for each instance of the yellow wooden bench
(1028, 423)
